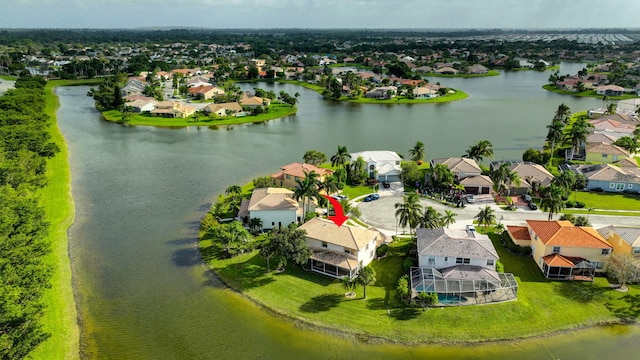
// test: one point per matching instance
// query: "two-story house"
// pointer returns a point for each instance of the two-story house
(288, 174)
(566, 252)
(624, 240)
(339, 251)
(460, 166)
(461, 263)
(381, 164)
(276, 207)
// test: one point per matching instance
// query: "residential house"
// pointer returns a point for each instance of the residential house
(520, 235)
(531, 175)
(610, 90)
(382, 92)
(140, 105)
(383, 165)
(199, 81)
(477, 69)
(339, 251)
(605, 153)
(477, 184)
(288, 174)
(251, 101)
(134, 86)
(625, 240)
(609, 178)
(276, 207)
(205, 92)
(460, 166)
(446, 71)
(424, 92)
(460, 263)
(223, 109)
(173, 109)
(566, 252)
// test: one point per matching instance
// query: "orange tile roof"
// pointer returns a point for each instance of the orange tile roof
(558, 260)
(299, 169)
(563, 233)
(519, 232)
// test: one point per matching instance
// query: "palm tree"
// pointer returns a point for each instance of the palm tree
(440, 177)
(562, 114)
(552, 200)
(480, 150)
(307, 189)
(408, 211)
(366, 276)
(578, 132)
(255, 225)
(417, 152)
(611, 109)
(341, 158)
(486, 216)
(504, 177)
(448, 218)
(554, 135)
(349, 284)
(430, 219)
(330, 184)
(565, 180)
(233, 190)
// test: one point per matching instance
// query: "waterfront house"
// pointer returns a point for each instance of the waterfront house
(276, 207)
(563, 251)
(223, 109)
(288, 174)
(339, 251)
(205, 92)
(173, 109)
(141, 105)
(460, 166)
(532, 176)
(382, 92)
(251, 101)
(604, 153)
(383, 165)
(460, 264)
(610, 90)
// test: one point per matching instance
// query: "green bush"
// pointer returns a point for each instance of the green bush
(569, 204)
(382, 250)
(580, 204)
(408, 264)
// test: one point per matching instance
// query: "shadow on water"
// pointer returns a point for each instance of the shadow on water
(321, 303)
(628, 311)
(186, 257)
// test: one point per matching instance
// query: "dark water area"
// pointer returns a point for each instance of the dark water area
(140, 193)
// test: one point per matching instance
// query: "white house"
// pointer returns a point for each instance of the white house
(441, 248)
(339, 251)
(276, 207)
(384, 163)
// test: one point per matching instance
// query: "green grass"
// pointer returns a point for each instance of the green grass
(457, 95)
(353, 192)
(276, 111)
(543, 306)
(490, 73)
(60, 318)
(8, 77)
(607, 201)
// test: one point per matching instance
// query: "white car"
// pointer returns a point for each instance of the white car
(470, 198)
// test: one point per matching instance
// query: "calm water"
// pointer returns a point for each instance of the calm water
(140, 193)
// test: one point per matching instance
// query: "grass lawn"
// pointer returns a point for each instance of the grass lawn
(543, 306)
(276, 111)
(588, 93)
(607, 201)
(457, 95)
(60, 318)
(7, 77)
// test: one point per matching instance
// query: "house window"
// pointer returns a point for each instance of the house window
(466, 261)
(431, 259)
(372, 167)
(619, 186)
(636, 250)
(556, 249)
(458, 260)
(606, 251)
(630, 186)
(288, 177)
(446, 259)
(612, 185)
(463, 261)
(489, 262)
(349, 251)
(324, 244)
(604, 156)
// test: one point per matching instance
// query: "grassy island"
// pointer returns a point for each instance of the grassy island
(543, 307)
(275, 111)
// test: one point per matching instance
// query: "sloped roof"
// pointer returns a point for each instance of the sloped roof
(477, 180)
(599, 137)
(532, 172)
(459, 164)
(272, 199)
(347, 236)
(605, 148)
(343, 260)
(519, 232)
(470, 272)
(455, 243)
(376, 155)
(563, 233)
(608, 172)
(627, 163)
(631, 235)
(557, 260)
(299, 170)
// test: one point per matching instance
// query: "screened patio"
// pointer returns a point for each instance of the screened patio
(333, 263)
(558, 267)
(463, 289)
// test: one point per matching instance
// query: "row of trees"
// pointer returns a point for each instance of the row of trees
(25, 147)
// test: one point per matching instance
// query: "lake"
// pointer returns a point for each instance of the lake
(140, 193)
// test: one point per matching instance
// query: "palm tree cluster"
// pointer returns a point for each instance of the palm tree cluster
(556, 128)
(307, 189)
(411, 212)
(503, 178)
(479, 150)
(340, 160)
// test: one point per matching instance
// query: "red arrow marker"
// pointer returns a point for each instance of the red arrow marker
(339, 218)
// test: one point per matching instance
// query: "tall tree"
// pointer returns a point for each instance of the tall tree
(307, 189)
(417, 152)
(554, 135)
(623, 268)
(440, 177)
(562, 114)
(408, 211)
(578, 132)
(430, 219)
(288, 244)
(314, 157)
(480, 150)
(448, 218)
(552, 200)
(341, 158)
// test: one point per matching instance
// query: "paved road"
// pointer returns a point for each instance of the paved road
(380, 214)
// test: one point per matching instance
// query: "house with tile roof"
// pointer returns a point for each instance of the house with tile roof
(276, 207)
(563, 251)
(532, 176)
(610, 90)
(205, 92)
(339, 251)
(173, 109)
(479, 184)
(289, 173)
(460, 166)
(460, 263)
(223, 109)
(381, 164)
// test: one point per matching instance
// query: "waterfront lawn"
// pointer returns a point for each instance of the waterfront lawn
(587, 93)
(543, 306)
(457, 95)
(276, 111)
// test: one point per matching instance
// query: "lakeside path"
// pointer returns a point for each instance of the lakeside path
(380, 214)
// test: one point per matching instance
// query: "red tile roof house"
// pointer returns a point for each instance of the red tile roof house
(298, 171)
(563, 251)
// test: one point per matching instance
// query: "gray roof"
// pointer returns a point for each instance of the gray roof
(455, 243)
(470, 272)
(630, 235)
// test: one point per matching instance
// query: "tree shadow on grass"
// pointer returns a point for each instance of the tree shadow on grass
(581, 291)
(627, 312)
(321, 303)
(406, 313)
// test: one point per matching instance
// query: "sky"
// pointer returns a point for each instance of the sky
(321, 14)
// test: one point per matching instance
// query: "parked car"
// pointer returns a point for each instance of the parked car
(470, 198)
(371, 197)
(339, 197)
(386, 184)
(532, 205)
(526, 198)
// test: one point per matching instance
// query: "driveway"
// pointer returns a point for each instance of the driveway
(380, 214)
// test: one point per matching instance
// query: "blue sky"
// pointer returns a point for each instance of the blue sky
(429, 14)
